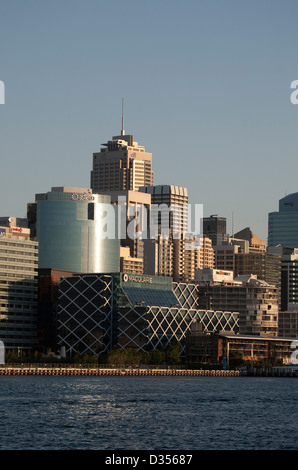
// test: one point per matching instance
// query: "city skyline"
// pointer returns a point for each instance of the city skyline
(207, 91)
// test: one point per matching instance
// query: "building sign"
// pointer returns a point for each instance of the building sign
(222, 273)
(2, 232)
(292, 203)
(15, 229)
(82, 197)
(134, 278)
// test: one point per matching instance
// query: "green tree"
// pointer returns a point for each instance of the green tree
(156, 356)
(172, 352)
(236, 360)
(125, 357)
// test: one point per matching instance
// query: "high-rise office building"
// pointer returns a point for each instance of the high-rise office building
(264, 265)
(215, 229)
(119, 169)
(188, 261)
(18, 285)
(172, 252)
(225, 256)
(246, 254)
(176, 199)
(133, 210)
(283, 225)
(122, 164)
(289, 275)
(77, 231)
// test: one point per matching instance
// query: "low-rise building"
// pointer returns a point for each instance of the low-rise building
(221, 347)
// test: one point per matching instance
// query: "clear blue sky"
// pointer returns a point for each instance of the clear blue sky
(206, 87)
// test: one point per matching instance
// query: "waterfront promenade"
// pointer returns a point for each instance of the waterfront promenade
(285, 371)
(116, 371)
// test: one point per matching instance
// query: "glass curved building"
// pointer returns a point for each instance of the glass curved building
(283, 225)
(77, 231)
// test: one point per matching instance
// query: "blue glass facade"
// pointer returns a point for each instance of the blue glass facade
(283, 225)
(149, 290)
(70, 232)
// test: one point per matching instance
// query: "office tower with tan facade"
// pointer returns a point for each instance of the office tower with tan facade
(247, 254)
(121, 165)
(172, 253)
(120, 168)
(256, 259)
(188, 259)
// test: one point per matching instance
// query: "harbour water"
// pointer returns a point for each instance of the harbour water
(148, 413)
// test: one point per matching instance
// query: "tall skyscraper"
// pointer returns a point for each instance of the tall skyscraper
(172, 253)
(283, 225)
(120, 168)
(122, 165)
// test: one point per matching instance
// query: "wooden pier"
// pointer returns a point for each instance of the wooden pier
(81, 371)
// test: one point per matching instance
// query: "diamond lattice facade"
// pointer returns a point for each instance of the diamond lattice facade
(97, 312)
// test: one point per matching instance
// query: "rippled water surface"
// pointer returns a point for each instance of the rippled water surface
(147, 413)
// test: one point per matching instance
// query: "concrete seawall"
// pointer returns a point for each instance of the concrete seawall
(56, 371)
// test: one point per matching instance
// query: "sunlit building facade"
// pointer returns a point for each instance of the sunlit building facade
(18, 286)
(77, 231)
(97, 312)
(121, 164)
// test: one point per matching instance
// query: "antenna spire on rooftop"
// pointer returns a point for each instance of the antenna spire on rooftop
(122, 129)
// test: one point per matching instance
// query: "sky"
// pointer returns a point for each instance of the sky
(206, 88)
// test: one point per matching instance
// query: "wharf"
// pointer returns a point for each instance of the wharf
(81, 371)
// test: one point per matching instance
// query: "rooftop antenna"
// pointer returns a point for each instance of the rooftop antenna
(122, 130)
